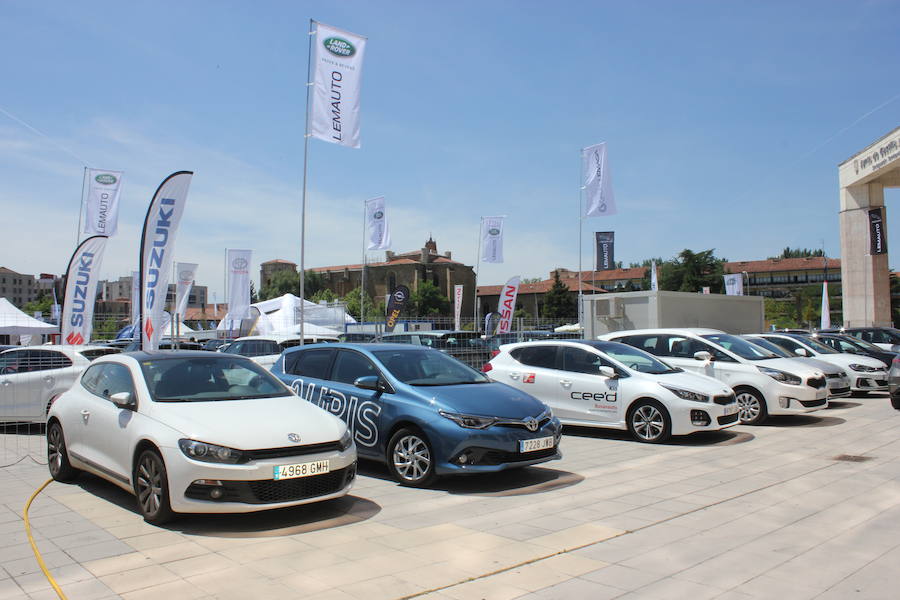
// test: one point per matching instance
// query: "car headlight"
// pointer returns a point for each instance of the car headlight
(346, 440)
(469, 421)
(863, 368)
(782, 376)
(209, 452)
(687, 394)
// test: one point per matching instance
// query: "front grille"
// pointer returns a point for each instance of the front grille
(835, 375)
(816, 382)
(881, 382)
(521, 424)
(267, 453)
(813, 403)
(489, 456)
(724, 399)
(727, 419)
(839, 391)
(269, 491)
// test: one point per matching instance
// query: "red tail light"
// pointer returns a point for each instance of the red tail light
(486, 367)
(494, 353)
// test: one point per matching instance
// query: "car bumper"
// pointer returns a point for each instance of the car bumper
(252, 487)
(838, 387)
(796, 399)
(690, 419)
(870, 382)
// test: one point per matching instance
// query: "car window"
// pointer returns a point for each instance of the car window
(425, 367)
(647, 343)
(737, 345)
(311, 363)
(43, 360)
(290, 343)
(350, 366)
(634, 358)
(94, 353)
(12, 362)
(786, 343)
(91, 377)
(202, 379)
(543, 356)
(578, 360)
(678, 346)
(112, 380)
(234, 348)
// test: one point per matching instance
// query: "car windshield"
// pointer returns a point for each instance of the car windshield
(867, 346)
(428, 367)
(773, 348)
(635, 359)
(816, 345)
(740, 346)
(202, 379)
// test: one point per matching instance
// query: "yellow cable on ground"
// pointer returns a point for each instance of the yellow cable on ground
(34, 547)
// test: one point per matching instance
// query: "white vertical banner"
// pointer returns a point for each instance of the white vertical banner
(82, 277)
(734, 284)
(135, 299)
(238, 266)
(492, 239)
(102, 209)
(376, 221)
(826, 310)
(508, 304)
(599, 199)
(457, 306)
(654, 282)
(185, 273)
(337, 78)
(157, 247)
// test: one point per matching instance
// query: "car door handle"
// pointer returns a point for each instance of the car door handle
(513, 375)
(565, 383)
(85, 415)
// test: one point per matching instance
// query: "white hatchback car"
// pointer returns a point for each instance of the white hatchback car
(265, 349)
(763, 383)
(198, 432)
(611, 385)
(31, 376)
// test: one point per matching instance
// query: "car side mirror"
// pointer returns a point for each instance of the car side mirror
(703, 355)
(373, 383)
(608, 372)
(122, 400)
(800, 352)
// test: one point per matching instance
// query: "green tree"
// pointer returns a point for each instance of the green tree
(692, 271)
(254, 297)
(531, 280)
(429, 301)
(374, 310)
(558, 301)
(789, 252)
(42, 304)
(324, 295)
(288, 282)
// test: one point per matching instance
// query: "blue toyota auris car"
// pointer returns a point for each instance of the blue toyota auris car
(420, 411)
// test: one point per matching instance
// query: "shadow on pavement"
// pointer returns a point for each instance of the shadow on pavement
(801, 420)
(843, 404)
(726, 437)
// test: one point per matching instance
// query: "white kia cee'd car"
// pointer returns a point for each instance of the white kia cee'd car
(198, 432)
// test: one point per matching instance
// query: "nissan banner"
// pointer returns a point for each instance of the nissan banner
(157, 246)
(102, 209)
(238, 266)
(599, 199)
(186, 273)
(508, 304)
(605, 241)
(457, 306)
(492, 239)
(376, 221)
(396, 302)
(877, 238)
(338, 58)
(82, 277)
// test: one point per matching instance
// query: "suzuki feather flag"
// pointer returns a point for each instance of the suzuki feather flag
(492, 239)
(82, 277)
(157, 247)
(599, 199)
(376, 220)
(338, 57)
(238, 266)
(508, 304)
(102, 210)
(186, 273)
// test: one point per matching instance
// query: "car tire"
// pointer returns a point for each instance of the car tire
(751, 406)
(649, 422)
(410, 458)
(58, 455)
(151, 487)
(895, 402)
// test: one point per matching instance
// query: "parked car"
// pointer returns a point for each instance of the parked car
(867, 374)
(612, 385)
(198, 432)
(851, 345)
(837, 379)
(31, 376)
(356, 338)
(494, 342)
(894, 383)
(165, 344)
(764, 383)
(215, 344)
(467, 346)
(883, 337)
(265, 349)
(421, 412)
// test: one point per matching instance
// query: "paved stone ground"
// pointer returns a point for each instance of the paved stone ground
(757, 512)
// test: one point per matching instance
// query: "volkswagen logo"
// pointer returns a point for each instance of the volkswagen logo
(531, 424)
(294, 438)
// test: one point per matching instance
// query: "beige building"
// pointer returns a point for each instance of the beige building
(18, 288)
(268, 269)
(777, 277)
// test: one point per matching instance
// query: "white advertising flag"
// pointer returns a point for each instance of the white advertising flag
(102, 209)
(238, 266)
(508, 304)
(654, 283)
(186, 273)
(599, 199)
(457, 306)
(492, 239)
(376, 221)
(157, 247)
(826, 310)
(82, 277)
(337, 78)
(734, 284)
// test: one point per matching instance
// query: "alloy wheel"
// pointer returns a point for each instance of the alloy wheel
(149, 484)
(749, 406)
(648, 422)
(412, 458)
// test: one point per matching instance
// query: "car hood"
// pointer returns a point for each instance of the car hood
(486, 399)
(790, 365)
(845, 360)
(823, 365)
(250, 424)
(693, 382)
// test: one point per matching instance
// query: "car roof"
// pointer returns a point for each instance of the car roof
(156, 354)
(669, 330)
(60, 347)
(367, 348)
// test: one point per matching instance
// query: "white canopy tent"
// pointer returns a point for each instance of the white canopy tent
(14, 322)
(282, 316)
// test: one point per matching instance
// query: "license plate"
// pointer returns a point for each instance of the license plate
(536, 444)
(732, 408)
(316, 467)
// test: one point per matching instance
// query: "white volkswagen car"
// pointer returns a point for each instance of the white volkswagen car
(265, 349)
(763, 383)
(198, 432)
(611, 385)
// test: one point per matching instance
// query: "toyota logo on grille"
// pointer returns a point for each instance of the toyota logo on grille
(294, 438)
(531, 424)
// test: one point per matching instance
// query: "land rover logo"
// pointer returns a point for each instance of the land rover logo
(239, 263)
(105, 179)
(493, 231)
(379, 214)
(531, 424)
(339, 47)
(293, 437)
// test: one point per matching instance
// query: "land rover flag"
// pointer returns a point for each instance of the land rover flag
(606, 241)
(238, 286)
(338, 58)
(492, 239)
(157, 246)
(186, 275)
(877, 238)
(102, 209)
(599, 199)
(82, 276)
(376, 221)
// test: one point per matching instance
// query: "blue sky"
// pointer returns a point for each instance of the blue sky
(725, 123)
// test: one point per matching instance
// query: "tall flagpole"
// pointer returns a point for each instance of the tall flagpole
(362, 268)
(475, 291)
(309, 84)
(81, 207)
(580, 249)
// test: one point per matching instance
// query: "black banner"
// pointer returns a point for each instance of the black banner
(877, 238)
(398, 300)
(606, 241)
